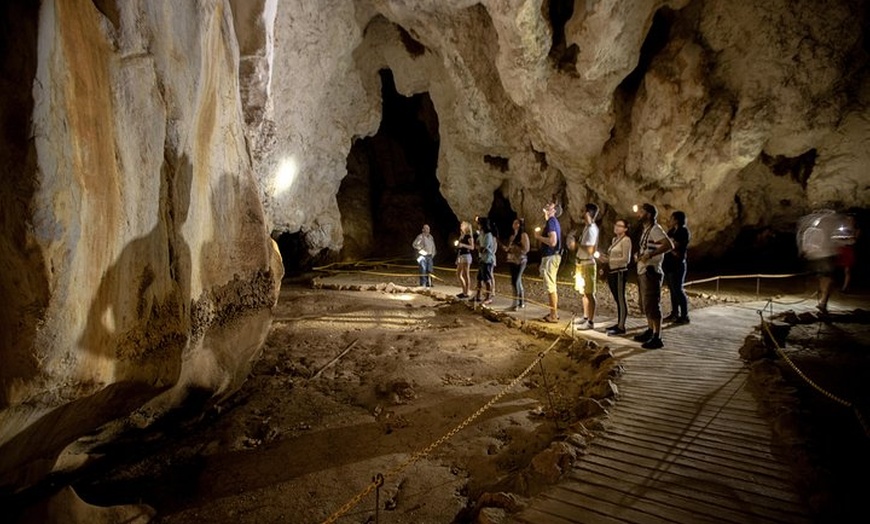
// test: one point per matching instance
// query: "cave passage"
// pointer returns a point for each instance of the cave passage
(391, 188)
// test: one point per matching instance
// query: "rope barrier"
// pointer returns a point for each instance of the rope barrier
(781, 352)
(379, 479)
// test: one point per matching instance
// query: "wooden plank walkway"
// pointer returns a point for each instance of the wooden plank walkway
(684, 443)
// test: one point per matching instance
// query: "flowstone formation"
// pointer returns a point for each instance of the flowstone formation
(138, 273)
(745, 115)
(150, 149)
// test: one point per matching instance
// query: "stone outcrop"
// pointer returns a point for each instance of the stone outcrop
(151, 147)
(138, 272)
(742, 114)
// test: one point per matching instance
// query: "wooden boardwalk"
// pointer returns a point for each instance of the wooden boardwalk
(684, 443)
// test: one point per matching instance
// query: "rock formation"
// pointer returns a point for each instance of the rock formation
(138, 272)
(744, 115)
(151, 147)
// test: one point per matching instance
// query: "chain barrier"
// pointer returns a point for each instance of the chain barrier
(781, 352)
(378, 481)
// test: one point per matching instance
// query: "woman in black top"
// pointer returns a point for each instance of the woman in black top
(517, 257)
(464, 248)
(674, 266)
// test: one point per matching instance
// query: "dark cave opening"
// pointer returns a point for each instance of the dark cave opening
(391, 188)
(656, 40)
(563, 56)
(295, 255)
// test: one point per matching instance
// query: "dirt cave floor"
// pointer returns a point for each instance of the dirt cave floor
(353, 384)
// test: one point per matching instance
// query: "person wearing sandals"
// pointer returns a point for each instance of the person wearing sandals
(486, 259)
(586, 278)
(464, 247)
(551, 256)
(618, 256)
(517, 257)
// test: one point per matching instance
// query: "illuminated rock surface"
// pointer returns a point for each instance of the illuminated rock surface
(151, 148)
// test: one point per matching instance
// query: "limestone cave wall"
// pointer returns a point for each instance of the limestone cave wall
(746, 115)
(152, 146)
(137, 268)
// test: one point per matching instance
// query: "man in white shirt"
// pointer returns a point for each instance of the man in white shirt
(424, 244)
(654, 243)
(585, 276)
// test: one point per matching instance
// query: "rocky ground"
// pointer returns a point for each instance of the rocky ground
(812, 385)
(354, 384)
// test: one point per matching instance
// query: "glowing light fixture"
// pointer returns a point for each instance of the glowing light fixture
(286, 175)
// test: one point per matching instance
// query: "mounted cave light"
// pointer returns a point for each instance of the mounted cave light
(286, 175)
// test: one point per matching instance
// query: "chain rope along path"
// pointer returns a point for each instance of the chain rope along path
(781, 352)
(379, 479)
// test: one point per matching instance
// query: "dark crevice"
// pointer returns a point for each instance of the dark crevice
(296, 255)
(498, 162)
(541, 158)
(412, 46)
(656, 40)
(391, 188)
(798, 168)
(563, 56)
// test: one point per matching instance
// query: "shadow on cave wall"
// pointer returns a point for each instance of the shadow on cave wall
(391, 188)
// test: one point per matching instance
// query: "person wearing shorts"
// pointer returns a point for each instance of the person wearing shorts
(464, 247)
(551, 256)
(585, 276)
(654, 243)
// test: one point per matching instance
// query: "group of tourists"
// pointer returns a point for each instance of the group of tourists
(660, 259)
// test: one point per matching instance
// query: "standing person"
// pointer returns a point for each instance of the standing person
(517, 257)
(618, 256)
(551, 256)
(486, 259)
(674, 266)
(586, 281)
(424, 244)
(464, 247)
(654, 243)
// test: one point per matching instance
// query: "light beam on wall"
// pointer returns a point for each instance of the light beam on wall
(286, 175)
